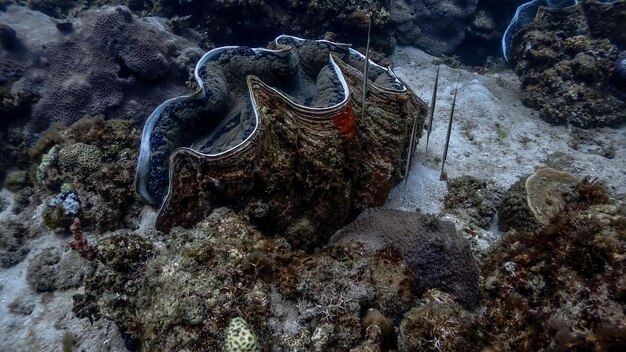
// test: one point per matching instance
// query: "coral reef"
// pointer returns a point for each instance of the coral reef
(286, 154)
(534, 200)
(418, 22)
(109, 62)
(566, 58)
(432, 248)
(89, 173)
(561, 287)
(186, 294)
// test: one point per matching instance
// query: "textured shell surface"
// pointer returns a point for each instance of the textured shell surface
(280, 133)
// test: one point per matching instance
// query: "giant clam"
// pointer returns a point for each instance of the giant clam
(280, 134)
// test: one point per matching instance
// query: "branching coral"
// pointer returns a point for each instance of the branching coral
(79, 242)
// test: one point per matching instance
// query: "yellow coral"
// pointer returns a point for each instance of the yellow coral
(545, 189)
(240, 338)
(80, 155)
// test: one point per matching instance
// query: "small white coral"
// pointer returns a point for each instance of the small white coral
(240, 338)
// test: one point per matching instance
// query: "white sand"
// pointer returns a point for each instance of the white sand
(494, 136)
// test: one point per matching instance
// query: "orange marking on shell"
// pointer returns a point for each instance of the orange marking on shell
(346, 123)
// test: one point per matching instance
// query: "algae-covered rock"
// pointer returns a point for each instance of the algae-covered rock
(472, 199)
(13, 243)
(566, 59)
(186, 293)
(89, 171)
(560, 287)
(16, 180)
(53, 270)
(437, 324)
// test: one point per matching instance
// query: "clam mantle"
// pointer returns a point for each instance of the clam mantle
(279, 134)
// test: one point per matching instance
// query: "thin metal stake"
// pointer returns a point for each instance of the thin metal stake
(432, 110)
(411, 153)
(445, 149)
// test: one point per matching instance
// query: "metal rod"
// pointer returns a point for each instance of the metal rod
(432, 109)
(445, 149)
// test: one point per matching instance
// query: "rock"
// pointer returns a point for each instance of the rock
(437, 254)
(566, 59)
(16, 180)
(7, 35)
(419, 23)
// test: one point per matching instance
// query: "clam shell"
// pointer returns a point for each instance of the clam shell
(311, 156)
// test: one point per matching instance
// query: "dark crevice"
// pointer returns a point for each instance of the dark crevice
(124, 72)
